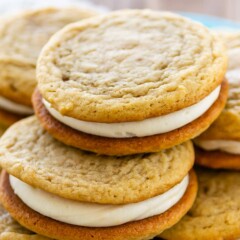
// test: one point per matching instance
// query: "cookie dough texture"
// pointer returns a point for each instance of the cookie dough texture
(138, 230)
(29, 153)
(227, 125)
(130, 65)
(21, 39)
(215, 214)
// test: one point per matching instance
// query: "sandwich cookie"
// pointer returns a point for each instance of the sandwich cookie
(88, 196)
(219, 146)
(22, 37)
(129, 82)
(216, 211)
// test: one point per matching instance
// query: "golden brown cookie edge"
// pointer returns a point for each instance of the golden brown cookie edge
(217, 159)
(127, 146)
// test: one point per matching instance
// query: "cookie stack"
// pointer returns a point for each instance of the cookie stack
(132, 88)
(216, 211)
(22, 37)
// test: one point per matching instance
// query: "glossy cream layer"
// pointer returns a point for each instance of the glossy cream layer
(92, 214)
(148, 127)
(15, 107)
(222, 145)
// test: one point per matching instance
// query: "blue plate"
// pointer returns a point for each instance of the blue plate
(212, 22)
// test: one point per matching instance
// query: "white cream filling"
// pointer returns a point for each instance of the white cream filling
(14, 107)
(223, 145)
(92, 214)
(148, 127)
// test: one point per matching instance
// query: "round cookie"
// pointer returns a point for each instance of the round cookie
(65, 174)
(108, 74)
(127, 146)
(216, 211)
(101, 71)
(138, 230)
(23, 150)
(220, 141)
(22, 37)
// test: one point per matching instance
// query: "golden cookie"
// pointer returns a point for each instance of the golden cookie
(215, 214)
(32, 155)
(130, 65)
(138, 230)
(22, 37)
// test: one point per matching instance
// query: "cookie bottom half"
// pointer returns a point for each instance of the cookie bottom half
(127, 146)
(138, 230)
(217, 159)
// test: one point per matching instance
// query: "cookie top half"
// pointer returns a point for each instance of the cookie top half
(227, 125)
(216, 211)
(29, 153)
(22, 37)
(109, 68)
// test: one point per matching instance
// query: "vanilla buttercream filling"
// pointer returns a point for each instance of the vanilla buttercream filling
(92, 214)
(13, 107)
(148, 127)
(228, 146)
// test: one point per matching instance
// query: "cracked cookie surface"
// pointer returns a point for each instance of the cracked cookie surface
(109, 68)
(32, 155)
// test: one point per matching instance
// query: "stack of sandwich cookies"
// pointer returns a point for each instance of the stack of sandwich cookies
(22, 37)
(89, 196)
(216, 211)
(219, 146)
(105, 86)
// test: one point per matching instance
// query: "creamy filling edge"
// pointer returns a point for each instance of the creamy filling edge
(148, 127)
(13, 107)
(93, 214)
(228, 146)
